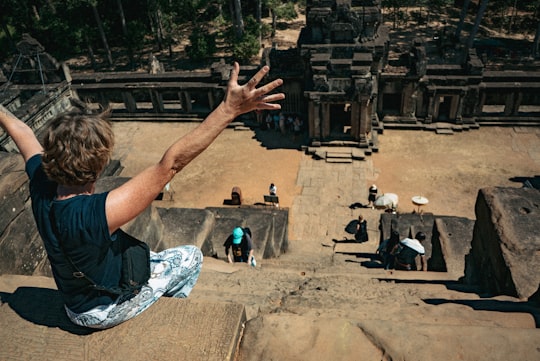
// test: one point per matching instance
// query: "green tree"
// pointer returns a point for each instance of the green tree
(280, 10)
(202, 45)
(246, 48)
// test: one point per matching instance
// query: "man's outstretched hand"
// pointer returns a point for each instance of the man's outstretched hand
(241, 99)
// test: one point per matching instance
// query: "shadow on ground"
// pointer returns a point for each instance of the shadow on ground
(42, 306)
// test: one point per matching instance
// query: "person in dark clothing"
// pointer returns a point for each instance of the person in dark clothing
(358, 228)
(385, 250)
(239, 247)
(361, 234)
(372, 196)
(81, 229)
(406, 252)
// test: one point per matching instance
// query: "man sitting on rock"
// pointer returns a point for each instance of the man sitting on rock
(406, 252)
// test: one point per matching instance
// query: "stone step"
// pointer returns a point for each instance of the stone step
(358, 154)
(34, 326)
(344, 154)
(339, 160)
(358, 293)
(444, 131)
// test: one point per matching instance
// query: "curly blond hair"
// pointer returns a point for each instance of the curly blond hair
(77, 147)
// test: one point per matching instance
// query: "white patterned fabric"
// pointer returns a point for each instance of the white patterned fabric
(174, 274)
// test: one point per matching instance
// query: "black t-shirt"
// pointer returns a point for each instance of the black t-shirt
(240, 251)
(80, 230)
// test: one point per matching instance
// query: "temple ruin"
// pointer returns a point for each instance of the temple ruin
(348, 78)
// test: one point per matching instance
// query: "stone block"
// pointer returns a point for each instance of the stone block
(184, 226)
(268, 227)
(451, 241)
(504, 253)
(34, 326)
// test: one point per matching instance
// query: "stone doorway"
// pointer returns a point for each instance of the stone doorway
(340, 121)
(392, 103)
(445, 106)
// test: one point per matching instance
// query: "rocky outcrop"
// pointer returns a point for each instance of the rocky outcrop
(504, 253)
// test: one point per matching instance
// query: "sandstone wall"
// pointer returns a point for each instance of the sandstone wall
(505, 257)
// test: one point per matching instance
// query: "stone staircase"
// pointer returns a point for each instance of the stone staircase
(396, 311)
(315, 301)
(331, 302)
(337, 154)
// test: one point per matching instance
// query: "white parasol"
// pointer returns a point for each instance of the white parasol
(419, 201)
(387, 200)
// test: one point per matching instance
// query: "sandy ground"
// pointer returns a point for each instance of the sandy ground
(236, 158)
(450, 169)
(447, 169)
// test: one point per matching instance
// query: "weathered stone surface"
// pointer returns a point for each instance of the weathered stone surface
(13, 187)
(21, 248)
(20, 244)
(451, 242)
(187, 226)
(505, 243)
(266, 338)
(268, 226)
(34, 326)
(451, 342)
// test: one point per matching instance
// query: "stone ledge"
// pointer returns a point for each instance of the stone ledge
(33, 326)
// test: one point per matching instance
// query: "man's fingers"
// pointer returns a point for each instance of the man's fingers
(234, 73)
(256, 79)
(272, 97)
(260, 92)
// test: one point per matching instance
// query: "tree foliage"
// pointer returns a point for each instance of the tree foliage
(202, 45)
(68, 28)
(110, 29)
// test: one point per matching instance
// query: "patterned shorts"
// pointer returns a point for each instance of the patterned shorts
(174, 273)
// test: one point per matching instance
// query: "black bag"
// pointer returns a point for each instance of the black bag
(135, 263)
(135, 270)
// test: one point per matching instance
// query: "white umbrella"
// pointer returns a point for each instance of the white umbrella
(387, 200)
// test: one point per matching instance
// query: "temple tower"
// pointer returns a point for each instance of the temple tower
(343, 46)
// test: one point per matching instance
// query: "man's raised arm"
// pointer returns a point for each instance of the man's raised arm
(22, 134)
(130, 199)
